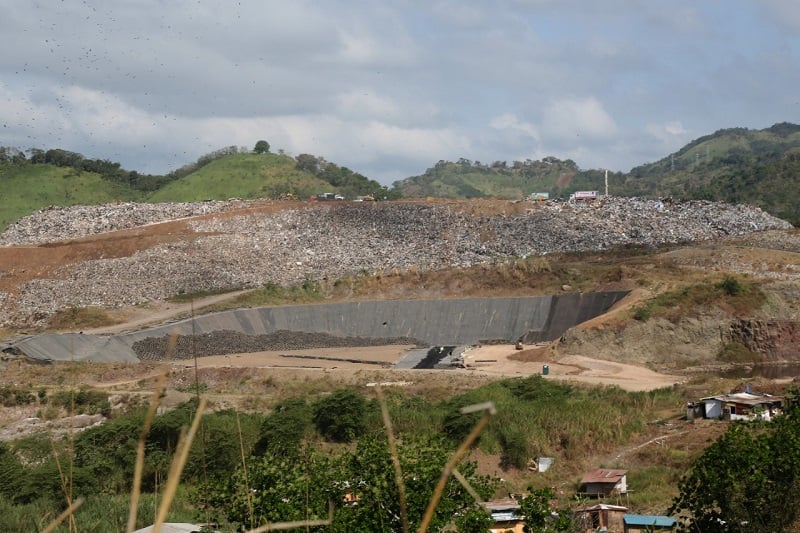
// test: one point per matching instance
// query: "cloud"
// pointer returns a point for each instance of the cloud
(389, 88)
(571, 118)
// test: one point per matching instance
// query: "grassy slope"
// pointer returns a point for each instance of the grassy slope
(27, 188)
(242, 176)
(454, 180)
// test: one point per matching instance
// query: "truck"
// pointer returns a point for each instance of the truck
(584, 196)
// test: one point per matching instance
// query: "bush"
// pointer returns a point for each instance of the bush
(283, 430)
(340, 417)
(731, 286)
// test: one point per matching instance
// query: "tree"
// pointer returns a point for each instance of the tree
(371, 481)
(261, 147)
(340, 417)
(277, 489)
(539, 518)
(746, 481)
(283, 430)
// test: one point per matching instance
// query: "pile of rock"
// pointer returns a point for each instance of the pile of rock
(56, 223)
(225, 342)
(336, 240)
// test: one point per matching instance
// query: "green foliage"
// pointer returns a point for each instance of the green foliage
(340, 416)
(261, 147)
(736, 165)
(474, 520)
(273, 294)
(99, 514)
(731, 286)
(11, 473)
(746, 481)
(535, 507)
(422, 460)
(82, 401)
(11, 396)
(282, 432)
(28, 188)
(300, 487)
(732, 295)
(467, 179)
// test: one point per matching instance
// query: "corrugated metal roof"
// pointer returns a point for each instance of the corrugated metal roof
(501, 504)
(745, 398)
(600, 507)
(648, 520)
(509, 516)
(604, 475)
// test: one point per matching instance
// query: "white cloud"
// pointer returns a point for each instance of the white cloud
(667, 132)
(509, 121)
(573, 118)
(367, 103)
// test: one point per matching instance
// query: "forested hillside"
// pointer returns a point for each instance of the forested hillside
(36, 178)
(737, 165)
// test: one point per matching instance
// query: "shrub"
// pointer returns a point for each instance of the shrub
(340, 417)
(283, 430)
(731, 286)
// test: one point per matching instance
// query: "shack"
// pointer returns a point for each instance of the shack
(736, 406)
(506, 515)
(599, 516)
(604, 482)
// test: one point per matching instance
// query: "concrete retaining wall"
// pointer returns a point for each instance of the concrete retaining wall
(437, 322)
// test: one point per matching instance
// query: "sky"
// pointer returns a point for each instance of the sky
(388, 88)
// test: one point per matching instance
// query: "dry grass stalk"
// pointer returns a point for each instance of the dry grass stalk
(398, 471)
(139, 467)
(68, 512)
(283, 526)
(178, 462)
(248, 495)
(488, 410)
(67, 490)
(464, 483)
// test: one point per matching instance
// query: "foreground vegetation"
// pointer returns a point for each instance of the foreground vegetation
(312, 449)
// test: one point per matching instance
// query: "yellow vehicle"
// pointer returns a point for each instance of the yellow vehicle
(287, 196)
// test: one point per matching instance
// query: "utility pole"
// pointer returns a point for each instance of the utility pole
(606, 182)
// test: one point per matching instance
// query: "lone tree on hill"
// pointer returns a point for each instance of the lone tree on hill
(262, 147)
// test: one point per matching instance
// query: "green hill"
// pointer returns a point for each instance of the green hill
(29, 187)
(245, 176)
(60, 177)
(467, 179)
(737, 165)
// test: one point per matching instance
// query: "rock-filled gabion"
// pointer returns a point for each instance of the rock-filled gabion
(225, 342)
(337, 240)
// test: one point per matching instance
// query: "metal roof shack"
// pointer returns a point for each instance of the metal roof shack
(635, 523)
(600, 515)
(736, 406)
(604, 482)
(506, 515)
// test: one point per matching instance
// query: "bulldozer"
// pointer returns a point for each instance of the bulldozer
(287, 196)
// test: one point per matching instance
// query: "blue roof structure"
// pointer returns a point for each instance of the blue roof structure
(648, 520)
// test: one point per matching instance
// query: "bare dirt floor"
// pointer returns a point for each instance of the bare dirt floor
(497, 361)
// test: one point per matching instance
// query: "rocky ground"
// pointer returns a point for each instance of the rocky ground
(245, 244)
